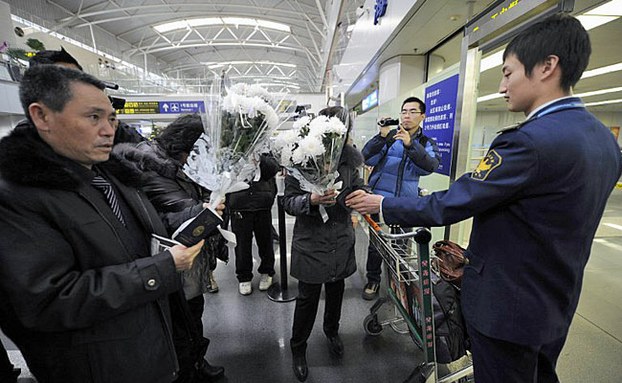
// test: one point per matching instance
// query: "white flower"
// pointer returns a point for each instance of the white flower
(302, 121)
(239, 88)
(311, 146)
(298, 156)
(257, 91)
(230, 102)
(317, 126)
(286, 138)
(250, 106)
(335, 126)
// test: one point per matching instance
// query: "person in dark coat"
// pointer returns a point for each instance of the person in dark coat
(126, 133)
(177, 198)
(322, 253)
(251, 214)
(536, 200)
(82, 297)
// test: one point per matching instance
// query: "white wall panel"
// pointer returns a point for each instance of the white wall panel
(9, 98)
(367, 39)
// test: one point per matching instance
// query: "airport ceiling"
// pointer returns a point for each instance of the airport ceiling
(250, 38)
(284, 40)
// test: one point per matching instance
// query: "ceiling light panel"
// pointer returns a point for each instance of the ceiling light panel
(611, 8)
(206, 21)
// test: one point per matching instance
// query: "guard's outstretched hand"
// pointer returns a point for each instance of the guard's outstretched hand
(364, 202)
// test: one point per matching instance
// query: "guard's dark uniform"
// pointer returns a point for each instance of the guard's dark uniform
(536, 198)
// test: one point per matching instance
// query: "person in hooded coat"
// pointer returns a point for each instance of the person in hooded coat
(177, 198)
(322, 253)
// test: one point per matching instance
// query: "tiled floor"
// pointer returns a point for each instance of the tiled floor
(250, 334)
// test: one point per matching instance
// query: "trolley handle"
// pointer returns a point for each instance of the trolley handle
(421, 235)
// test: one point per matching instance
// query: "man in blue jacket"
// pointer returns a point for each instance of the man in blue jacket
(537, 198)
(399, 157)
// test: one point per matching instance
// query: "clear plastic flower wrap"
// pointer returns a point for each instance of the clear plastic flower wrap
(312, 149)
(239, 121)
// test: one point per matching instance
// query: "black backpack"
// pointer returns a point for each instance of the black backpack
(449, 328)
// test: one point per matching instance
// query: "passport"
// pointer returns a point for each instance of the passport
(200, 227)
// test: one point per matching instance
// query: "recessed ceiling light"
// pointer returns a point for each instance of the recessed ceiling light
(607, 102)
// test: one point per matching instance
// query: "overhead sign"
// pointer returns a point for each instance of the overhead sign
(370, 101)
(440, 101)
(380, 10)
(140, 107)
(162, 107)
(176, 107)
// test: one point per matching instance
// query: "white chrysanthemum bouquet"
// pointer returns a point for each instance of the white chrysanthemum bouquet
(311, 151)
(239, 122)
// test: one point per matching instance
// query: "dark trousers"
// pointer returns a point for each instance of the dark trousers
(189, 343)
(496, 360)
(306, 310)
(244, 224)
(374, 260)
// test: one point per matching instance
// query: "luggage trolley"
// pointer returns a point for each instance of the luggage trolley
(406, 256)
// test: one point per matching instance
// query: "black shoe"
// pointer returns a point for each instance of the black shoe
(300, 367)
(209, 372)
(335, 345)
(371, 290)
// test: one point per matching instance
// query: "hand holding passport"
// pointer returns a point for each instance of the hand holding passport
(197, 228)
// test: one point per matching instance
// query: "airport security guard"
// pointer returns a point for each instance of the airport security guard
(536, 200)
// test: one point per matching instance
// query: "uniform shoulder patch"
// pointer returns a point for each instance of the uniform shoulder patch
(487, 165)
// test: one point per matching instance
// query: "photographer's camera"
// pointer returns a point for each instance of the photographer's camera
(388, 122)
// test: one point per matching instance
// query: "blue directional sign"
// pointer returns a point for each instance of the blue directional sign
(440, 101)
(162, 107)
(176, 107)
(380, 10)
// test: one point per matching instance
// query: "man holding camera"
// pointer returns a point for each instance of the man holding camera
(399, 157)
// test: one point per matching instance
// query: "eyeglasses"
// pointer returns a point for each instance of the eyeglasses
(411, 112)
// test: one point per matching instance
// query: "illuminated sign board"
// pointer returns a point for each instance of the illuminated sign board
(370, 101)
(440, 117)
(140, 107)
(162, 107)
(493, 14)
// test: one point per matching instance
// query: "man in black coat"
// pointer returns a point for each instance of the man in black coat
(83, 297)
(177, 198)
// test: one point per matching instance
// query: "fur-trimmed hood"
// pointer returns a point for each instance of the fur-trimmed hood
(351, 156)
(147, 157)
(27, 160)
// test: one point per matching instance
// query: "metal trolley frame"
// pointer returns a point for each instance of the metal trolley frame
(406, 256)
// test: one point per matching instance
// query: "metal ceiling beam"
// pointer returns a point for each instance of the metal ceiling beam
(312, 16)
(198, 5)
(182, 16)
(193, 45)
(330, 40)
(321, 12)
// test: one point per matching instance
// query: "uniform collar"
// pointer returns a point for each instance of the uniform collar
(546, 105)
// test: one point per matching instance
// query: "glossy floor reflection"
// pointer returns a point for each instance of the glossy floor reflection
(250, 334)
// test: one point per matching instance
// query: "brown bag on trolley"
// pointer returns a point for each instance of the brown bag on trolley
(449, 261)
